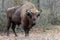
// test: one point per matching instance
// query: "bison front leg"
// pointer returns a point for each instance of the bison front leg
(8, 24)
(13, 28)
(26, 31)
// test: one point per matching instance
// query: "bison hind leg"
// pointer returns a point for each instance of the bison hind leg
(8, 25)
(8, 30)
(13, 28)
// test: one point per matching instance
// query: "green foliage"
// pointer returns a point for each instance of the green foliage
(57, 22)
(2, 20)
(17, 2)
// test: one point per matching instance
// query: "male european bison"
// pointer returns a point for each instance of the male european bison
(25, 16)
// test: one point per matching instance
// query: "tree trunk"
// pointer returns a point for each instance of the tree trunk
(38, 4)
(2, 5)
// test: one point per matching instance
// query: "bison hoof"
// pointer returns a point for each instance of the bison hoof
(26, 35)
(7, 34)
(16, 35)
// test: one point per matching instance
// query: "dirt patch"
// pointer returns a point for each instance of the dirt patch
(33, 36)
(36, 34)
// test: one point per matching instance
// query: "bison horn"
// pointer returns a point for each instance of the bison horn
(28, 11)
(37, 11)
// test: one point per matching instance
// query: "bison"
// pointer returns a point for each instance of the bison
(26, 16)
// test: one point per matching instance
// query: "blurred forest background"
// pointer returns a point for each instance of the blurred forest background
(50, 11)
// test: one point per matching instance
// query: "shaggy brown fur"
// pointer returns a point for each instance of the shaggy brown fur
(25, 15)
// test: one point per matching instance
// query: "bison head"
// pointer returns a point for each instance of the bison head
(33, 15)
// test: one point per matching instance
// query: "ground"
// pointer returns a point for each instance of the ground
(36, 34)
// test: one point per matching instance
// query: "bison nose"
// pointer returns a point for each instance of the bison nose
(33, 23)
(34, 19)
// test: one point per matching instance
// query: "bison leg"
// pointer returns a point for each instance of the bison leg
(26, 31)
(13, 28)
(8, 26)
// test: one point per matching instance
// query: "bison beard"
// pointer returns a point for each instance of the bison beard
(21, 17)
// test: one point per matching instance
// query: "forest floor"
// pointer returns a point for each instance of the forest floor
(36, 34)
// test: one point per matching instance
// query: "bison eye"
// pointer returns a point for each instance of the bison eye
(29, 14)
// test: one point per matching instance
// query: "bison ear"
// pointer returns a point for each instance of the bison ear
(39, 12)
(29, 13)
